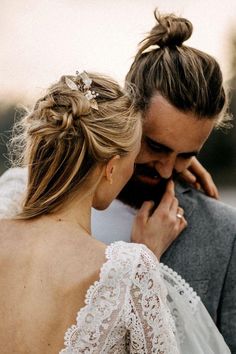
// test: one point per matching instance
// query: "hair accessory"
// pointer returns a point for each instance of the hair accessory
(84, 87)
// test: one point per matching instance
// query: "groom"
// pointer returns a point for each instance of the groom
(182, 99)
(181, 96)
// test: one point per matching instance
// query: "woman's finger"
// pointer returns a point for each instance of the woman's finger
(188, 176)
(182, 224)
(144, 212)
(204, 178)
(180, 213)
(167, 199)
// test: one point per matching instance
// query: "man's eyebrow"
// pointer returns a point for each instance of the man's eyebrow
(167, 149)
(154, 144)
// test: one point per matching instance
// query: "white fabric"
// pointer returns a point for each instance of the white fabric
(12, 187)
(114, 223)
(127, 310)
(196, 332)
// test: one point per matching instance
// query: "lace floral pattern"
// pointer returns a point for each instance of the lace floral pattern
(125, 310)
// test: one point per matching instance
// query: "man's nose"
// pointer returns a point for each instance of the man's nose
(166, 166)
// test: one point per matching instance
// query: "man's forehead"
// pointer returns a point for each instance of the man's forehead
(160, 107)
(179, 131)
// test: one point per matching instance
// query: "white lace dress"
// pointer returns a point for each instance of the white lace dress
(137, 306)
(126, 309)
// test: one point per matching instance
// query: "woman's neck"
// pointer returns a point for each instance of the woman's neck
(76, 212)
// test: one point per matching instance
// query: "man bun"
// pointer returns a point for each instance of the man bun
(186, 77)
(170, 31)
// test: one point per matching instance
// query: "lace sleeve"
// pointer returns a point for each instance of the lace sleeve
(12, 186)
(150, 324)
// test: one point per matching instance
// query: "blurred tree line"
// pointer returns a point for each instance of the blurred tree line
(218, 154)
(8, 114)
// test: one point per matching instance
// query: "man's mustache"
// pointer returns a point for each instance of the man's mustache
(136, 191)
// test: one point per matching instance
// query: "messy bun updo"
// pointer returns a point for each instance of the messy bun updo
(187, 78)
(170, 31)
(64, 138)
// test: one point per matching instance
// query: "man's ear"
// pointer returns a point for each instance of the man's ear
(111, 167)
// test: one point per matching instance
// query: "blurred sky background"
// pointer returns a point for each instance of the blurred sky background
(42, 40)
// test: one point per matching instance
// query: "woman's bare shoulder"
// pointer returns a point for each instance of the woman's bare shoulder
(58, 247)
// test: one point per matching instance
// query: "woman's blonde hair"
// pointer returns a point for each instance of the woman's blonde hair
(63, 139)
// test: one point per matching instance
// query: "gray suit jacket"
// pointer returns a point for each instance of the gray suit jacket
(205, 256)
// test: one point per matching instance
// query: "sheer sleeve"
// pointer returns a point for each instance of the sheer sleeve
(148, 319)
(12, 187)
(125, 310)
(195, 330)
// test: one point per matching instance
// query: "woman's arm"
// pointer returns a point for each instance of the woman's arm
(148, 319)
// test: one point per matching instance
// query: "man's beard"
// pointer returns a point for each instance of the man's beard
(136, 192)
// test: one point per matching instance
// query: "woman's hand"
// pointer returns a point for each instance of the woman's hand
(198, 176)
(159, 229)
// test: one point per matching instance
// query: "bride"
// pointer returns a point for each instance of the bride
(62, 290)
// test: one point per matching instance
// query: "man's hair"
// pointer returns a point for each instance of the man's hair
(187, 78)
(63, 139)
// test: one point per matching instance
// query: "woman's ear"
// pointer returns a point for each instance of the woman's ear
(111, 167)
